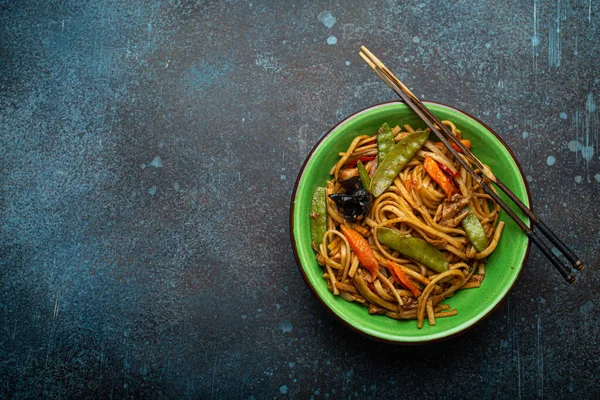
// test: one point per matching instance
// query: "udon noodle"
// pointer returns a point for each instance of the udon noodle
(414, 205)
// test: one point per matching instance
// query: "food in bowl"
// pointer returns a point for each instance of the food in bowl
(401, 225)
(503, 266)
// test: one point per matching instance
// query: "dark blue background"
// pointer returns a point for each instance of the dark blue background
(148, 154)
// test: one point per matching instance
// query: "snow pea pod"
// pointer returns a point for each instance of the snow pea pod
(396, 159)
(364, 175)
(415, 248)
(474, 230)
(385, 141)
(318, 216)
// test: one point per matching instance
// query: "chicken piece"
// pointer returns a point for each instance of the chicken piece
(452, 207)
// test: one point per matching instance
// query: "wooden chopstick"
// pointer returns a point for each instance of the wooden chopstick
(575, 261)
(435, 125)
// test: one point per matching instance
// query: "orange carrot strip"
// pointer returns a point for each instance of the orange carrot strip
(466, 142)
(438, 176)
(362, 249)
(401, 277)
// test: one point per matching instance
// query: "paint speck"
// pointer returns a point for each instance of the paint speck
(488, 45)
(283, 389)
(244, 316)
(597, 177)
(331, 40)
(327, 19)
(176, 186)
(416, 39)
(283, 177)
(563, 115)
(590, 104)
(550, 160)
(286, 327)
(278, 306)
(529, 178)
(292, 364)
(586, 308)
(578, 179)
(525, 135)
(157, 162)
(152, 190)
(143, 166)
(535, 40)
(564, 204)
(587, 152)
(347, 62)
(574, 146)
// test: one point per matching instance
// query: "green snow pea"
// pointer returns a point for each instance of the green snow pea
(415, 248)
(364, 175)
(474, 230)
(318, 216)
(396, 159)
(385, 141)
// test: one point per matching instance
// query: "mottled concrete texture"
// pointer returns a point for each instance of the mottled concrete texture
(148, 153)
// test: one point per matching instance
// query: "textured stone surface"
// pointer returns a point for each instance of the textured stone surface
(148, 154)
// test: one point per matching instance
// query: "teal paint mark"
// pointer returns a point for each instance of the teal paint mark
(587, 308)
(286, 327)
(590, 104)
(327, 19)
(157, 162)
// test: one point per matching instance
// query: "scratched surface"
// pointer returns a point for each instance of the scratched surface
(148, 153)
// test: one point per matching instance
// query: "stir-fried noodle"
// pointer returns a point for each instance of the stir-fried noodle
(438, 230)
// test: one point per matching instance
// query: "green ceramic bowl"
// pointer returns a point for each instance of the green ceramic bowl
(504, 265)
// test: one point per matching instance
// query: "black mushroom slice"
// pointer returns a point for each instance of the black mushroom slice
(351, 184)
(355, 202)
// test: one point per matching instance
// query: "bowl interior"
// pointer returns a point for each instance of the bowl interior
(503, 267)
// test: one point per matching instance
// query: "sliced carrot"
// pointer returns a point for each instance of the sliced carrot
(466, 142)
(401, 277)
(363, 251)
(434, 170)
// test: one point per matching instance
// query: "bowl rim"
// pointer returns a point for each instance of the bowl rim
(313, 289)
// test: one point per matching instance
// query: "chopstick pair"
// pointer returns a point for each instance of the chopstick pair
(436, 126)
